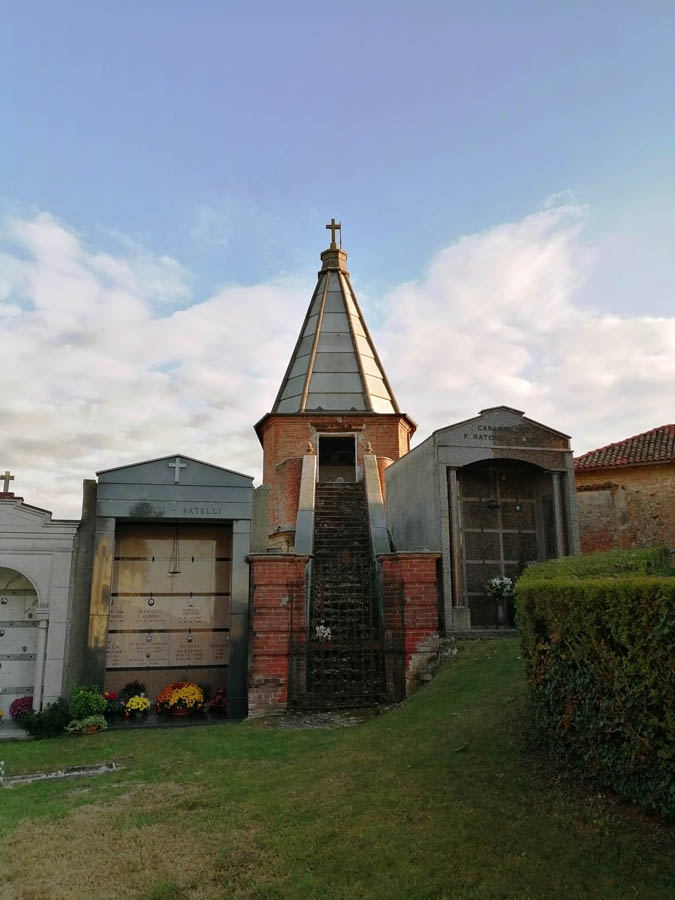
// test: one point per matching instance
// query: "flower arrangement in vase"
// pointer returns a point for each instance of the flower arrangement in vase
(137, 705)
(500, 589)
(21, 708)
(88, 725)
(218, 702)
(180, 698)
(114, 706)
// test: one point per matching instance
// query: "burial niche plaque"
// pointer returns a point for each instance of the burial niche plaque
(170, 597)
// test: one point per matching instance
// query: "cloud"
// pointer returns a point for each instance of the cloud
(97, 373)
(110, 359)
(498, 319)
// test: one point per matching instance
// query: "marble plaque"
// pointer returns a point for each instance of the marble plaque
(200, 612)
(18, 639)
(131, 651)
(131, 613)
(15, 672)
(204, 648)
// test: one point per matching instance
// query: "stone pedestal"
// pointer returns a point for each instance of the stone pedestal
(278, 602)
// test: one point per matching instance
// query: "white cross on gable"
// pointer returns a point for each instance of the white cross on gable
(6, 478)
(177, 465)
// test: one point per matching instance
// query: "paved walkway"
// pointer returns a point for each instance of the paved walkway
(10, 731)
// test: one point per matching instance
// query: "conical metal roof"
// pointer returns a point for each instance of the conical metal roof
(334, 367)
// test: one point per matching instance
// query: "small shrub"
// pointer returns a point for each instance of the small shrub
(87, 700)
(48, 723)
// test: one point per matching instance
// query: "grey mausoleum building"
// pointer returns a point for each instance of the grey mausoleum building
(491, 494)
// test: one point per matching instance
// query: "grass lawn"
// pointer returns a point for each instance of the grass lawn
(432, 799)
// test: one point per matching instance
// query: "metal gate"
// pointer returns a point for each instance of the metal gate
(499, 532)
(344, 656)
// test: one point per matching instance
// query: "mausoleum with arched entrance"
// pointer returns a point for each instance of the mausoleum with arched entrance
(36, 563)
(492, 494)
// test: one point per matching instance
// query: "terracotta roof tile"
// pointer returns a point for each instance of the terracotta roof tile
(655, 446)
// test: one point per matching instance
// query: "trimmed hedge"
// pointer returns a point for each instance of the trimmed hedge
(600, 661)
(610, 564)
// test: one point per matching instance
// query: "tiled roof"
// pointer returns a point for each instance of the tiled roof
(655, 446)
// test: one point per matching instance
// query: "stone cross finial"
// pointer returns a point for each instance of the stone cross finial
(7, 478)
(333, 227)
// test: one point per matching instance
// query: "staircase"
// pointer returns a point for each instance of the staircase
(342, 558)
(345, 662)
(341, 521)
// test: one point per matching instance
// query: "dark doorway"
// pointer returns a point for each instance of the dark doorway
(337, 459)
(500, 531)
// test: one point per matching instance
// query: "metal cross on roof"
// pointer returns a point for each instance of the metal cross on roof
(333, 227)
(6, 478)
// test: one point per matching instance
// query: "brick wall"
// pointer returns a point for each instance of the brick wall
(278, 580)
(627, 506)
(417, 572)
(285, 440)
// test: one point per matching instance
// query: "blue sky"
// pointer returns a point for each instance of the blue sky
(206, 147)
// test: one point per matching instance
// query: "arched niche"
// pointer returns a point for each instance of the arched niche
(19, 636)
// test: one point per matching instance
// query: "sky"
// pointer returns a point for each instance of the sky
(504, 174)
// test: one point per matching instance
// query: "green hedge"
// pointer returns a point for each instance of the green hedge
(600, 661)
(610, 564)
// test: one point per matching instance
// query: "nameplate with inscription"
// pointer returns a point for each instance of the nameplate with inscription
(142, 650)
(201, 648)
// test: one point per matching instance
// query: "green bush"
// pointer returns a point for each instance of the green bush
(48, 723)
(608, 564)
(87, 700)
(599, 655)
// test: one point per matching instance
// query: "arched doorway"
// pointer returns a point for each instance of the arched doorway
(18, 637)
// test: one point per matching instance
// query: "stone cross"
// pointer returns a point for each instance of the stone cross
(177, 466)
(333, 227)
(6, 478)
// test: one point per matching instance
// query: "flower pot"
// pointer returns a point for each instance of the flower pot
(91, 729)
(179, 712)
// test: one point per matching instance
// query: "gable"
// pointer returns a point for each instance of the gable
(19, 517)
(501, 427)
(163, 471)
(174, 486)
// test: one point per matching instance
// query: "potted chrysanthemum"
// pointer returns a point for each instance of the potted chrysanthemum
(180, 698)
(136, 706)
